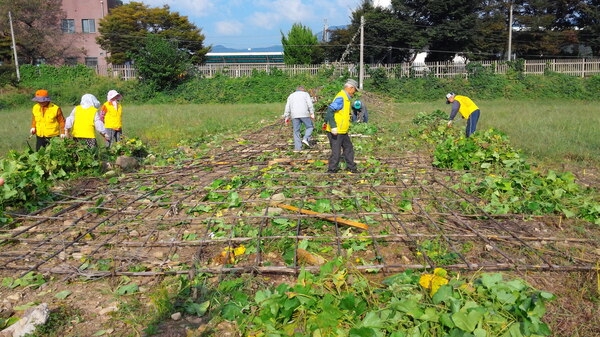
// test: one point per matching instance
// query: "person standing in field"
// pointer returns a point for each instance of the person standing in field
(85, 120)
(467, 108)
(337, 119)
(47, 119)
(111, 113)
(359, 112)
(299, 107)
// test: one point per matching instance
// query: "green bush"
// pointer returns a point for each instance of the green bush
(273, 86)
(8, 75)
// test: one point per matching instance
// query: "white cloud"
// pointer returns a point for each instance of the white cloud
(229, 28)
(382, 3)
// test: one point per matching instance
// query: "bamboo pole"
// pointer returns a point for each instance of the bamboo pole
(325, 217)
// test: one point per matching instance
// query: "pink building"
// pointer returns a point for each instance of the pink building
(83, 17)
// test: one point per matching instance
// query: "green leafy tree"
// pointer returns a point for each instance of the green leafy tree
(588, 23)
(37, 30)
(490, 40)
(161, 64)
(339, 40)
(545, 28)
(301, 46)
(448, 25)
(389, 36)
(6, 54)
(123, 32)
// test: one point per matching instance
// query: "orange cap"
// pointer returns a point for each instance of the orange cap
(41, 96)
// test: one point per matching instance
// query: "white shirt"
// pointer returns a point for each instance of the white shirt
(299, 105)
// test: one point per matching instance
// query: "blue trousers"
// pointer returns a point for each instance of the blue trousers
(296, 124)
(472, 122)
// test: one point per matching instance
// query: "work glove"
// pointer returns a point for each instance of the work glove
(62, 135)
(32, 131)
(334, 131)
(449, 123)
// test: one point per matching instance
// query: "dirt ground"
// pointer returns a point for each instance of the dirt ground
(152, 225)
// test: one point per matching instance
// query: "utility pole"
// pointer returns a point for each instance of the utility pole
(14, 47)
(361, 68)
(510, 25)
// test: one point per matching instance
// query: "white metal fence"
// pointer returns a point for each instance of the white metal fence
(575, 67)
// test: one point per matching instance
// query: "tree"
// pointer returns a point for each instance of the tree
(37, 30)
(161, 64)
(339, 40)
(588, 23)
(301, 46)
(124, 31)
(389, 37)
(545, 28)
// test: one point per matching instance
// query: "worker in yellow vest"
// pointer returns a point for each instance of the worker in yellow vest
(111, 113)
(467, 108)
(84, 121)
(337, 119)
(47, 119)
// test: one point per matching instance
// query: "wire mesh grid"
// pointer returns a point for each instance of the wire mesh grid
(257, 207)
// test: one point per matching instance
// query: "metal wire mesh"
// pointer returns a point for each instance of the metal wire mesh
(190, 219)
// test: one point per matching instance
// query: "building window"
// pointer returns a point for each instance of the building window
(91, 61)
(68, 26)
(88, 25)
(70, 61)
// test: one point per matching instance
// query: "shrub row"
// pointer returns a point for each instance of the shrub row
(66, 83)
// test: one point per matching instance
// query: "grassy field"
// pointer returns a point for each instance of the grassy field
(547, 131)
(160, 126)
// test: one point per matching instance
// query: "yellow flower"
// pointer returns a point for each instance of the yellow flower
(434, 281)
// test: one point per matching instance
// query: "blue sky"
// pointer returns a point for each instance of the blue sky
(244, 24)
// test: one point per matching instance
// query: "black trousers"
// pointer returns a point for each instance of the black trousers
(41, 142)
(340, 145)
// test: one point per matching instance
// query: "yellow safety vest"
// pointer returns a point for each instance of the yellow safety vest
(46, 123)
(467, 106)
(83, 123)
(342, 117)
(113, 117)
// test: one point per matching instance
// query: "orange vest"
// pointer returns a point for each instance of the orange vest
(46, 123)
(113, 117)
(83, 123)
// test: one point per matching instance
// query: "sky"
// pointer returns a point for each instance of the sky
(244, 24)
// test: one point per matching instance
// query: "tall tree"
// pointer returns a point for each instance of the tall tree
(301, 46)
(339, 40)
(37, 30)
(390, 36)
(588, 24)
(490, 39)
(161, 64)
(545, 28)
(123, 31)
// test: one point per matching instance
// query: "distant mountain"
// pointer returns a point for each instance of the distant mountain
(222, 49)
